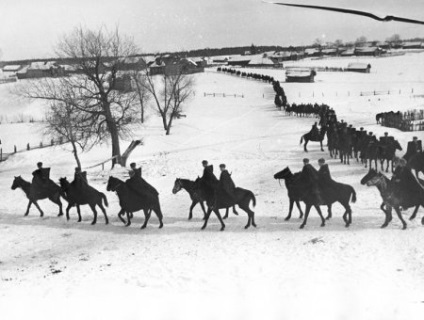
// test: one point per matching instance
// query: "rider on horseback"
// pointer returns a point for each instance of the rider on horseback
(314, 131)
(80, 177)
(227, 184)
(405, 186)
(139, 185)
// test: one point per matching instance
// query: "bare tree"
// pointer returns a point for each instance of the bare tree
(140, 87)
(66, 122)
(169, 91)
(361, 41)
(99, 55)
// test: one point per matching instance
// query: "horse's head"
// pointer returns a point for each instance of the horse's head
(17, 182)
(368, 177)
(283, 174)
(398, 146)
(64, 183)
(177, 186)
(113, 183)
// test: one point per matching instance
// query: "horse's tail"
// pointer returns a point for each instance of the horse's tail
(104, 199)
(353, 194)
(253, 198)
(301, 139)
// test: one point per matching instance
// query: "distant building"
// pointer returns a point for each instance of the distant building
(368, 51)
(313, 52)
(413, 45)
(329, 52)
(300, 75)
(348, 52)
(11, 70)
(359, 67)
(42, 70)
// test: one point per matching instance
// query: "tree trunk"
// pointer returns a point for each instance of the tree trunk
(127, 152)
(114, 135)
(75, 152)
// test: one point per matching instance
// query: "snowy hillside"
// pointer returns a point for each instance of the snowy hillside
(275, 271)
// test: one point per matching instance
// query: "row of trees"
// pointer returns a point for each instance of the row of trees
(87, 109)
(395, 39)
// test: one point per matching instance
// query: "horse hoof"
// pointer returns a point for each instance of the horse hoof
(161, 226)
(287, 219)
(302, 226)
(203, 228)
(422, 221)
(383, 226)
(253, 224)
(404, 227)
(60, 214)
(322, 224)
(143, 227)
(222, 229)
(246, 227)
(93, 223)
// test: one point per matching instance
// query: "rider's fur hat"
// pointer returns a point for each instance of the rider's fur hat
(305, 160)
(321, 160)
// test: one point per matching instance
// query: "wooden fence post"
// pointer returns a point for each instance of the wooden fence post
(52, 142)
(28, 147)
(41, 144)
(1, 154)
(14, 149)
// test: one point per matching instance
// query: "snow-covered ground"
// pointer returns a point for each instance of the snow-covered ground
(51, 268)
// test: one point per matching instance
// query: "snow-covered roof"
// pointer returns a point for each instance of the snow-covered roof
(12, 67)
(42, 65)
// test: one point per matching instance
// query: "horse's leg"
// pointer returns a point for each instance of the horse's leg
(120, 214)
(129, 216)
(67, 211)
(93, 208)
(300, 209)
(203, 208)
(304, 146)
(320, 215)
(322, 149)
(330, 213)
(308, 208)
(347, 216)
(157, 210)
(388, 215)
(381, 164)
(39, 209)
(100, 204)
(220, 219)
(29, 206)
(226, 213)
(146, 218)
(290, 210)
(399, 214)
(190, 214)
(208, 213)
(234, 210)
(79, 213)
(56, 199)
(414, 214)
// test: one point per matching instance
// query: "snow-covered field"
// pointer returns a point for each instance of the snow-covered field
(54, 269)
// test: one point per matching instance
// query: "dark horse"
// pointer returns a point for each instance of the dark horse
(83, 194)
(131, 202)
(196, 197)
(308, 137)
(317, 194)
(293, 191)
(390, 199)
(53, 194)
(214, 201)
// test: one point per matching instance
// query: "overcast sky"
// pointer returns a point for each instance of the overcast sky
(30, 28)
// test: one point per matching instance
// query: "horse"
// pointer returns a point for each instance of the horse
(308, 137)
(387, 153)
(372, 153)
(242, 198)
(378, 117)
(416, 162)
(292, 191)
(390, 200)
(81, 195)
(131, 202)
(196, 198)
(53, 194)
(315, 195)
